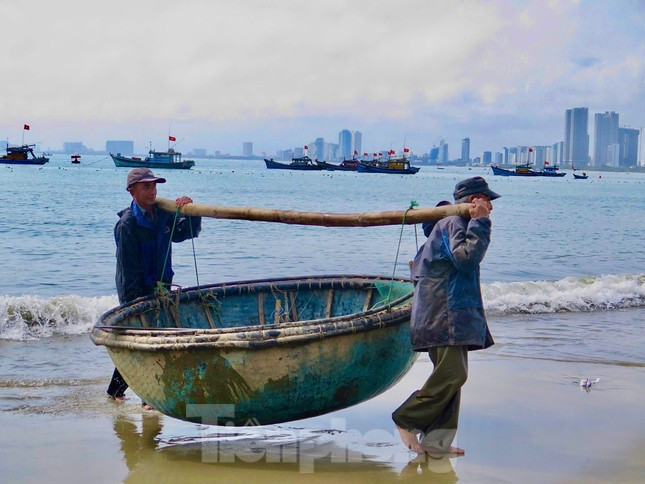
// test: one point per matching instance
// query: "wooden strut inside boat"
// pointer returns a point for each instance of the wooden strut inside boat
(361, 219)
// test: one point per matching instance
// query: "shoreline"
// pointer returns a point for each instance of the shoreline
(522, 420)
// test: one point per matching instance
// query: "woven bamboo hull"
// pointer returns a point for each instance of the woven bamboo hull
(322, 352)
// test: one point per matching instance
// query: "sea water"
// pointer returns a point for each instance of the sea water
(563, 279)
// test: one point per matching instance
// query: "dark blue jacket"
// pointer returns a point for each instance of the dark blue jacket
(141, 247)
(447, 307)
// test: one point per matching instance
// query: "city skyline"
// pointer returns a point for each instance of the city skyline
(498, 72)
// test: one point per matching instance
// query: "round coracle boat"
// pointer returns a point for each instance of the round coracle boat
(262, 352)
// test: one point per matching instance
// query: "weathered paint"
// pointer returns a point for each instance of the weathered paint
(278, 379)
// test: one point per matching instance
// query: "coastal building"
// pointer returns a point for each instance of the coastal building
(443, 152)
(465, 149)
(75, 147)
(125, 147)
(628, 141)
(318, 151)
(487, 158)
(498, 158)
(576, 137)
(199, 152)
(505, 154)
(433, 155)
(357, 142)
(345, 143)
(605, 136)
(247, 148)
(298, 152)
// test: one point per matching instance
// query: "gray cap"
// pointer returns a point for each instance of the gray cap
(142, 175)
(473, 186)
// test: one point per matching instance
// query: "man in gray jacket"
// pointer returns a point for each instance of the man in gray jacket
(448, 318)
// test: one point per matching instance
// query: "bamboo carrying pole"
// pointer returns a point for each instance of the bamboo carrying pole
(362, 219)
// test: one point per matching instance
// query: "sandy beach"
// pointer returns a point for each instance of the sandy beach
(523, 419)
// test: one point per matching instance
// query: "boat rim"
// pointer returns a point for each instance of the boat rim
(254, 336)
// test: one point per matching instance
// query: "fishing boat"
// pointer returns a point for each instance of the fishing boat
(22, 155)
(580, 177)
(265, 351)
(399, 166)
(156, 159)
(549, 170)
(520, 170)
(302, 163)
(76, 159)
(345, 165)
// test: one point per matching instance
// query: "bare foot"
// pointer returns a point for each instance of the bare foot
(120, 399)
(441, 450)
(410, 440)
(146, 406)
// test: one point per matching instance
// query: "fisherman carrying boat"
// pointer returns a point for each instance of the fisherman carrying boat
(447, 318)
(143, 237)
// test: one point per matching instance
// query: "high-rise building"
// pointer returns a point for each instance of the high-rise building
(498, 158)
(465, 149)
(487, 157)
(345, 143)
(318, 149)
(126, 148)
(75, 147)
(576, 137)
(628, 141)
(247, 148)
(433, 156)
(605, 135)
(357, 142)
(505, 159)
(443, 152)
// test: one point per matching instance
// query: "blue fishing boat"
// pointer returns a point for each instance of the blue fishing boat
(584, 176)
(520, 170)
(302, 163)
(345, 165)
(262, 352)
(549, 170)
(396, 166)
(170, 159)
(22, 155)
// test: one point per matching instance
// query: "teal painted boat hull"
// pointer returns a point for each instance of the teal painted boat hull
(263, 352)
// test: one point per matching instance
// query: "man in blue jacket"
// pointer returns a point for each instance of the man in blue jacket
(448, 318)
(143, 238)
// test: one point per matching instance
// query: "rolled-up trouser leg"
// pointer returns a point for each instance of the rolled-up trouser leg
(434, 409)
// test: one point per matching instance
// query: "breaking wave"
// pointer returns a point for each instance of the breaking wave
(571, 294)
(33, 317)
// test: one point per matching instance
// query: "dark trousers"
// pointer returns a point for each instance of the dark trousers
(434, 409)
(117, 386)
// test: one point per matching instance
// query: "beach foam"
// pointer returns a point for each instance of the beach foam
(33, 317)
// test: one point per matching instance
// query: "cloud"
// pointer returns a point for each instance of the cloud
(231, 66)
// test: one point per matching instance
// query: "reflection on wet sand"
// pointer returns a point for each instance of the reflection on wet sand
(244, 453)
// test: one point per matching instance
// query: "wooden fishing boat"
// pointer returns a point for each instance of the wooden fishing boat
(520, 170)
(302, 163)
(262, 352)
(584, 176)
(22, 155)
(552, 170)
(396, 166)
(170, 159)
(345, 165)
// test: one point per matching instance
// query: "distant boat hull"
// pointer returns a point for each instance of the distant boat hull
(340, 167)
(580, 177)
(275, 165)
(125, 162)
(36, 161)
(364, 168)
(20, 155)
(503, 172)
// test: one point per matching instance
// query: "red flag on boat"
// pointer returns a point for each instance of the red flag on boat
(26, 127)
(355, 152)
(406, 150)
(365, 154)
(375, 154)
(306, 147)
(380, 154)
(530, 150)
(546, 162)
(391, 152)
(172, 138)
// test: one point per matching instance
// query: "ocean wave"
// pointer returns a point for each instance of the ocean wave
(571, 294)
(31, 317)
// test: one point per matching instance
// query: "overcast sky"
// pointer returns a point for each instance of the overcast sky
(283, 72)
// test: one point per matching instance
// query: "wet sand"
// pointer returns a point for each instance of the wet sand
(522, 420)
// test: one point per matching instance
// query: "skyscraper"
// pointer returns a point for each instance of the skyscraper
(487, 157)
(319, 149)
(345, 143)
(605, 135)
(443, 152)
(247, 148)
(357, 142)
(576, 137)
(125, 147)
(465, 149)
(628, 141)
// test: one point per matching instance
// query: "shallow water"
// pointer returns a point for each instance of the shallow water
(564, 287)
